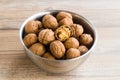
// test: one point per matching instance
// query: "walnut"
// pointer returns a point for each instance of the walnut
(76, 30)
(38, 49)
(32, 26)
(30, 39)
(46, 36)
(63, 33)
(39, 23)
(83, 49)
(62, 15)
(49, 21)
(48, 56)
(66, 21)
(57, 49)
(86, 39)
(71, 43)
(72, 53)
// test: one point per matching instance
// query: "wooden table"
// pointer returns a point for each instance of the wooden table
(104, 62)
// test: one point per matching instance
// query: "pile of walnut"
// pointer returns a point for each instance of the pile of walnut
(56, 37)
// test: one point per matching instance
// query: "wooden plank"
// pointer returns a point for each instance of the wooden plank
(99, 18)
(90, 4)
(100, 13)
(9, 40)
(98, 66)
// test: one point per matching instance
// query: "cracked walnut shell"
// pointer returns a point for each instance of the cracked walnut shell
(72, 53)
(63, 33)
(30, 39)
(57, 49)
(62, 15)
(49, 21)
(46, 36)
(76, 30)
(32, 26)
(86, 39)
(71, 43)
(38, 49)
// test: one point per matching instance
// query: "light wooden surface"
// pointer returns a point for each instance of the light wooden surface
(104, 62)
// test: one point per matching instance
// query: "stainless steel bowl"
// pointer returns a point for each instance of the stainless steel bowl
(59, 66)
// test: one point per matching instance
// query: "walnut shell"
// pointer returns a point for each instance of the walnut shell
(38, 49)
(39, 23)
(72, 53)
(66, 21)
(63, 33)
(49, 21)
(46, 36)
(71, 43)
(48, 56)
(86, 39)
(32, 26)
(76, 30)
(30, 39)
(57, 49)
(83, 49)
(62, 15)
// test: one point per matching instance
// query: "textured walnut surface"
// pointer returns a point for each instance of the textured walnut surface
(86, 39)
(33, 26)
(72, 53)
(83, 49)
(76, 30)
(62, 15)
(49, 21)
(46, 36)
(30, 39)
(38, 49)
(71, 43)
(57, 49)
(66, 21)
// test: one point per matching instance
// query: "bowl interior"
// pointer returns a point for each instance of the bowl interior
(88, 28)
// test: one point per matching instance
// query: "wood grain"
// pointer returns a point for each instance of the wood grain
(104, 62)
(98, 12)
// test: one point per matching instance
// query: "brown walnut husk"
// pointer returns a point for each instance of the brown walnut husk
(50, 21)
(46, 36)
(57, 49)
(86, 39)
(76, 30)
(33, 26)
(72, 53)
(66, 21)
(62, 15)
(38, 49)
(83, 49)
(71, 43)
(30, 39)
